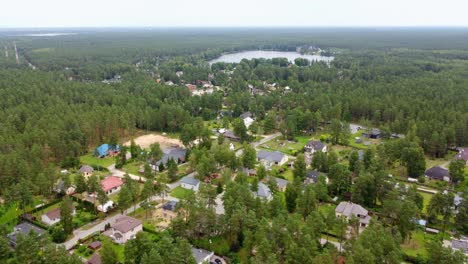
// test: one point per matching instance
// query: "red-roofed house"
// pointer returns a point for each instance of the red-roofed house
(111, 184)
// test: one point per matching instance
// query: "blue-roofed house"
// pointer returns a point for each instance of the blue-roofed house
(190, 183)
(106, 150)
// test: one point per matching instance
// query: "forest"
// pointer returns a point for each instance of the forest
(413, 82)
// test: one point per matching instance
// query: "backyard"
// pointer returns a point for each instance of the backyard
(287, 146)
(91, 160)
(180, 192)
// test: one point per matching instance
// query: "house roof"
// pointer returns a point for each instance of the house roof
(315, 144)
(460, 244)
(24, 228)
(86, 169)
(274, 156)
(95, 259)
(230, 134)
(170, 206)
(313, 175)
(463, 154)
(437, 172)
(245, 115)
(457, 200)
(201, 255)
(263, 191)
(175, 153)
(282, 183)
(105, 148)
(125, 224)
(95, 245)
(111, 182)
(190, 181)
(53, 214)
(351, 209)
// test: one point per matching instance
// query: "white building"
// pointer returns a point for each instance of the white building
(190, 183)
(53, 216)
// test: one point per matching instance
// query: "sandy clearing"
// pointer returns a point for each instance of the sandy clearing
(146, 141)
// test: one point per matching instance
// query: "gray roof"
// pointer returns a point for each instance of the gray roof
(245, 115)
(316, 145)
(175, 153)
(190, 181)
(313, 175)
(460, 244)
(125, 224)
(282, 183)
(351, 209)
(437, 172)
(274, 156)
(457, 200)
(263, 191)
(200, 254)
(170, 206)
(463, 154)
(86, 169)
(24, 228)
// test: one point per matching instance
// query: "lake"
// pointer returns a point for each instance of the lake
(290, 55)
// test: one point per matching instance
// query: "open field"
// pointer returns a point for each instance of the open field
(287, 146)
(180, 193)
(91, 160)
(146, 141)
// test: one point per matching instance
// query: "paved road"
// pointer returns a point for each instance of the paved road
(266, 139)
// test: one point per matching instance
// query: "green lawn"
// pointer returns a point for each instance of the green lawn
(326, 208)
(416, 245)
(91, 160)
(286, 146)
(288, 175)
(427, 197)
(132, 167)
(180, 192)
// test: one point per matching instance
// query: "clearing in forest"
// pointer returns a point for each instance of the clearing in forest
(146, 141)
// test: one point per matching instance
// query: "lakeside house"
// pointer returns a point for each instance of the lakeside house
(349, 210)
(438, 173)
(123, 229)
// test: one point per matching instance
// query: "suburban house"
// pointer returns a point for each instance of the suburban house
(229, 134)
(111, 184)
(190, 183)
(348, 210)
(311, 177)
(24, 228)
(60, 188)
(263, 192)
(105, 207)
(270, 158)
(202, 256)
(106, 150)
(315, 146)
(374, 133)
(53, 216)
(281, 184)
(248, 121)
(460, 244)
(463, 155)
(177, 154)
(438, 173)
(245, 115)
(86, 170)
(168, 212)
(191, 87)
(123, 229)
(95, 259)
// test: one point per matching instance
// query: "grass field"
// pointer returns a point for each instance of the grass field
(180, 193)
(416, 245)
(89, 159)
(132, 167)
(286, 146)
(427, 198)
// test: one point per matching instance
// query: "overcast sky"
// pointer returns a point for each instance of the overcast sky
(219, 13)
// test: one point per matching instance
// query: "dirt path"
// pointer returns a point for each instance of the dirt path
(146, 141)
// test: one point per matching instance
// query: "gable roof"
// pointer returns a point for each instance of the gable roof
(125, 223)
(190, 181)
(86, 169)
(315, 145)
(437, 172)
(176, 154)
(263, 191)
(24, 228)
(313, 175)
(105, 148)
(111, 182)
(245, 115)
(351, 209)
(282, 183)
(463, 154)
(460, 244)
(95, 259)
(201, 255)
(53, 214)
(274, 156)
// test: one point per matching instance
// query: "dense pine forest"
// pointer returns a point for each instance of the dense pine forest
(68, 94)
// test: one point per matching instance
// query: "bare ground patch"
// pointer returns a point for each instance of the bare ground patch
(146, 141)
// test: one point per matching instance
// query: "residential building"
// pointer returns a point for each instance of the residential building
(438, 173)
(190, 183)
(123, 229)
(374, 133)
(95, 259)
(281, 184)
(248, 121)
(168, 210)
(349, 210)
(202, 256)
(53, 216)
(263, 192)
(460, 244)
(105, 207)
(270, 158)
(177, 154)
(315, 146)
(106, 150)
(111, 184)
(86, 170)
(463, 155)
(24, 228)
(229, 134)
(311, 177)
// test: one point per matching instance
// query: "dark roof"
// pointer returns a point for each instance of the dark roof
(177, 154)
(437, 173)
(126, 223)
(170, 206)
(274, 156)
(461, 244)
(230, 134)
(95, 259)
(86, 169)
(463, 154)
(201, 254)
(190, 181)
(24, 228)
(245, 115)
(313, 175)
(53, 214)
(95, 245)
(315, 144)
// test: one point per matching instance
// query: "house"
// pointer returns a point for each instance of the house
(106, 150)
(311, 177)
(263, 192)
(281, 184)
(168, 210)
(463, 155)
(348, 210)
(95, 245)
(245, 115)
(53, 216)
(191, 87)
(460, 244)
(229, 134)
(457, 200)
(270, 158)
(190, 183)
(202, 256)
(86, 170)
(177, 154)
(95, 259)
(105, 207)
(315, 146)
(24, 229)
(111, 184)
(438, 173)
(179, 73)
(373, 133)
(170, 83)
(248, 121)
(123, 229)
(60, 188)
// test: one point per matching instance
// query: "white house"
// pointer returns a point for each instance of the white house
(124, 229)
(248, 121)
(202, 256)
(190, 183)
(270, 158)
(106, 207)
(53, 216)
(111, 184)
(315, 146)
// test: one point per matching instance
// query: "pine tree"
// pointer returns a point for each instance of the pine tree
(66, 217)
